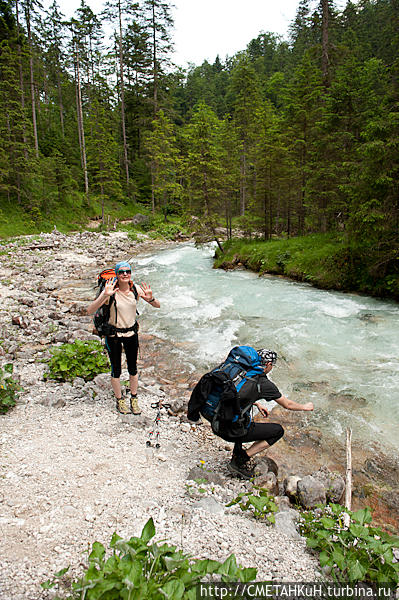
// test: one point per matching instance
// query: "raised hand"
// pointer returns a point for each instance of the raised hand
(147, 291)
(109, 289)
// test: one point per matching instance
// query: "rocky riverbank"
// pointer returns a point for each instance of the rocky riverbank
(74, 471)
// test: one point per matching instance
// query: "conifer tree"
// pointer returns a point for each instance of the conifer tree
(102, 156)
(158, 22)
(17, 163)
(246, 99)
(53, 37)
(118, 11)
(304, 108)
(164, 156)
(30, 7)
(204, 165)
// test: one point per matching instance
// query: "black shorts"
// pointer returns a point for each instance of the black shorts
(114, 345)
(268, 432)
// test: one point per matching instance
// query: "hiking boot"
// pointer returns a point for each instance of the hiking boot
(121, 406)
(134, 405)
(238, 466)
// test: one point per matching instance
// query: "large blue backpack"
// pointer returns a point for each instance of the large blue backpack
(221, 386)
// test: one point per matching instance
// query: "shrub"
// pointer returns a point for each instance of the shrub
(138, 569)
(81, 359)
(358, 552)
(8, 388)
(261, 503)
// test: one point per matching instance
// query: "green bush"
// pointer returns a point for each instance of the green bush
(358, 552)
(140, 569)
(81, 359)
(261, 503)
(8, 388)
(168, 231)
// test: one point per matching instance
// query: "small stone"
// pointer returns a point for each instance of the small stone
(90, 518)
(290, 485)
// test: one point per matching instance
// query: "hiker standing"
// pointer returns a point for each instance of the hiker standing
(123, 295)
(254, 388)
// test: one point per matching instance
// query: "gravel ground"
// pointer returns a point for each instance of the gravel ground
(74, 475)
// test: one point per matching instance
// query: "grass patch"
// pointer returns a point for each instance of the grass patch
(324, 260)
(72, 215)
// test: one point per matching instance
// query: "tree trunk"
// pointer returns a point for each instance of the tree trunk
(243, 175)
(32, 84)
(78, 114)
(61, 106)
(21, 79)
(125, 156)
(80, 125)
(153, 167)
(324, 43)
(154, 59)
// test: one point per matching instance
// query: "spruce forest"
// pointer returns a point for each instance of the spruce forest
(286, 138)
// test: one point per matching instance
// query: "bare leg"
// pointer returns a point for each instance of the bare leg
(134, 382)
(256, 448)
(116, 386)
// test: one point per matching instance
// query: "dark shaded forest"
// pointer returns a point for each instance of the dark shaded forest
(286, 138)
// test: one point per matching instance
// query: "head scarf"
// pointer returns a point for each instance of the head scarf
(267, 356)
(122, 265)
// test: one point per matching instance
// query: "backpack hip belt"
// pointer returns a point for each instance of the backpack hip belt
(112, 330)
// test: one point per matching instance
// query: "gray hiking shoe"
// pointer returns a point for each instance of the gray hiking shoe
(239, 466)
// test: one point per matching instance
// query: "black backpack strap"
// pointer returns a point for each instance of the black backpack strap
(136, 295)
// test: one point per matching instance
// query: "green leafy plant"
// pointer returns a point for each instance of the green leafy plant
(168, 231)
(354, 552)
(8, 388)
(139, 568)
(81, 359)
(261, 503)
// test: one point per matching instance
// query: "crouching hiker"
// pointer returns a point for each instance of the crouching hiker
(225, 397)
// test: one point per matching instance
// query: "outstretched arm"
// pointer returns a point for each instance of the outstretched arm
(291, 405)
(145, 292)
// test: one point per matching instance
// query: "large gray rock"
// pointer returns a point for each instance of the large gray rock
(334, 484)
(102, 381)
(139, 219)
(283, 503)
(285, 523)
(311, 492)
(269, 482)
(265, 465)
(62, 337)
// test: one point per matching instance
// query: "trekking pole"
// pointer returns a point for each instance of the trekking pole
(154, 434)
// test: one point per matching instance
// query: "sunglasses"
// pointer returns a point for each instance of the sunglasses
(124, 272)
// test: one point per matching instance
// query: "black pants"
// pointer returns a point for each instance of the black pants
(114, 348)
(268, 432)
